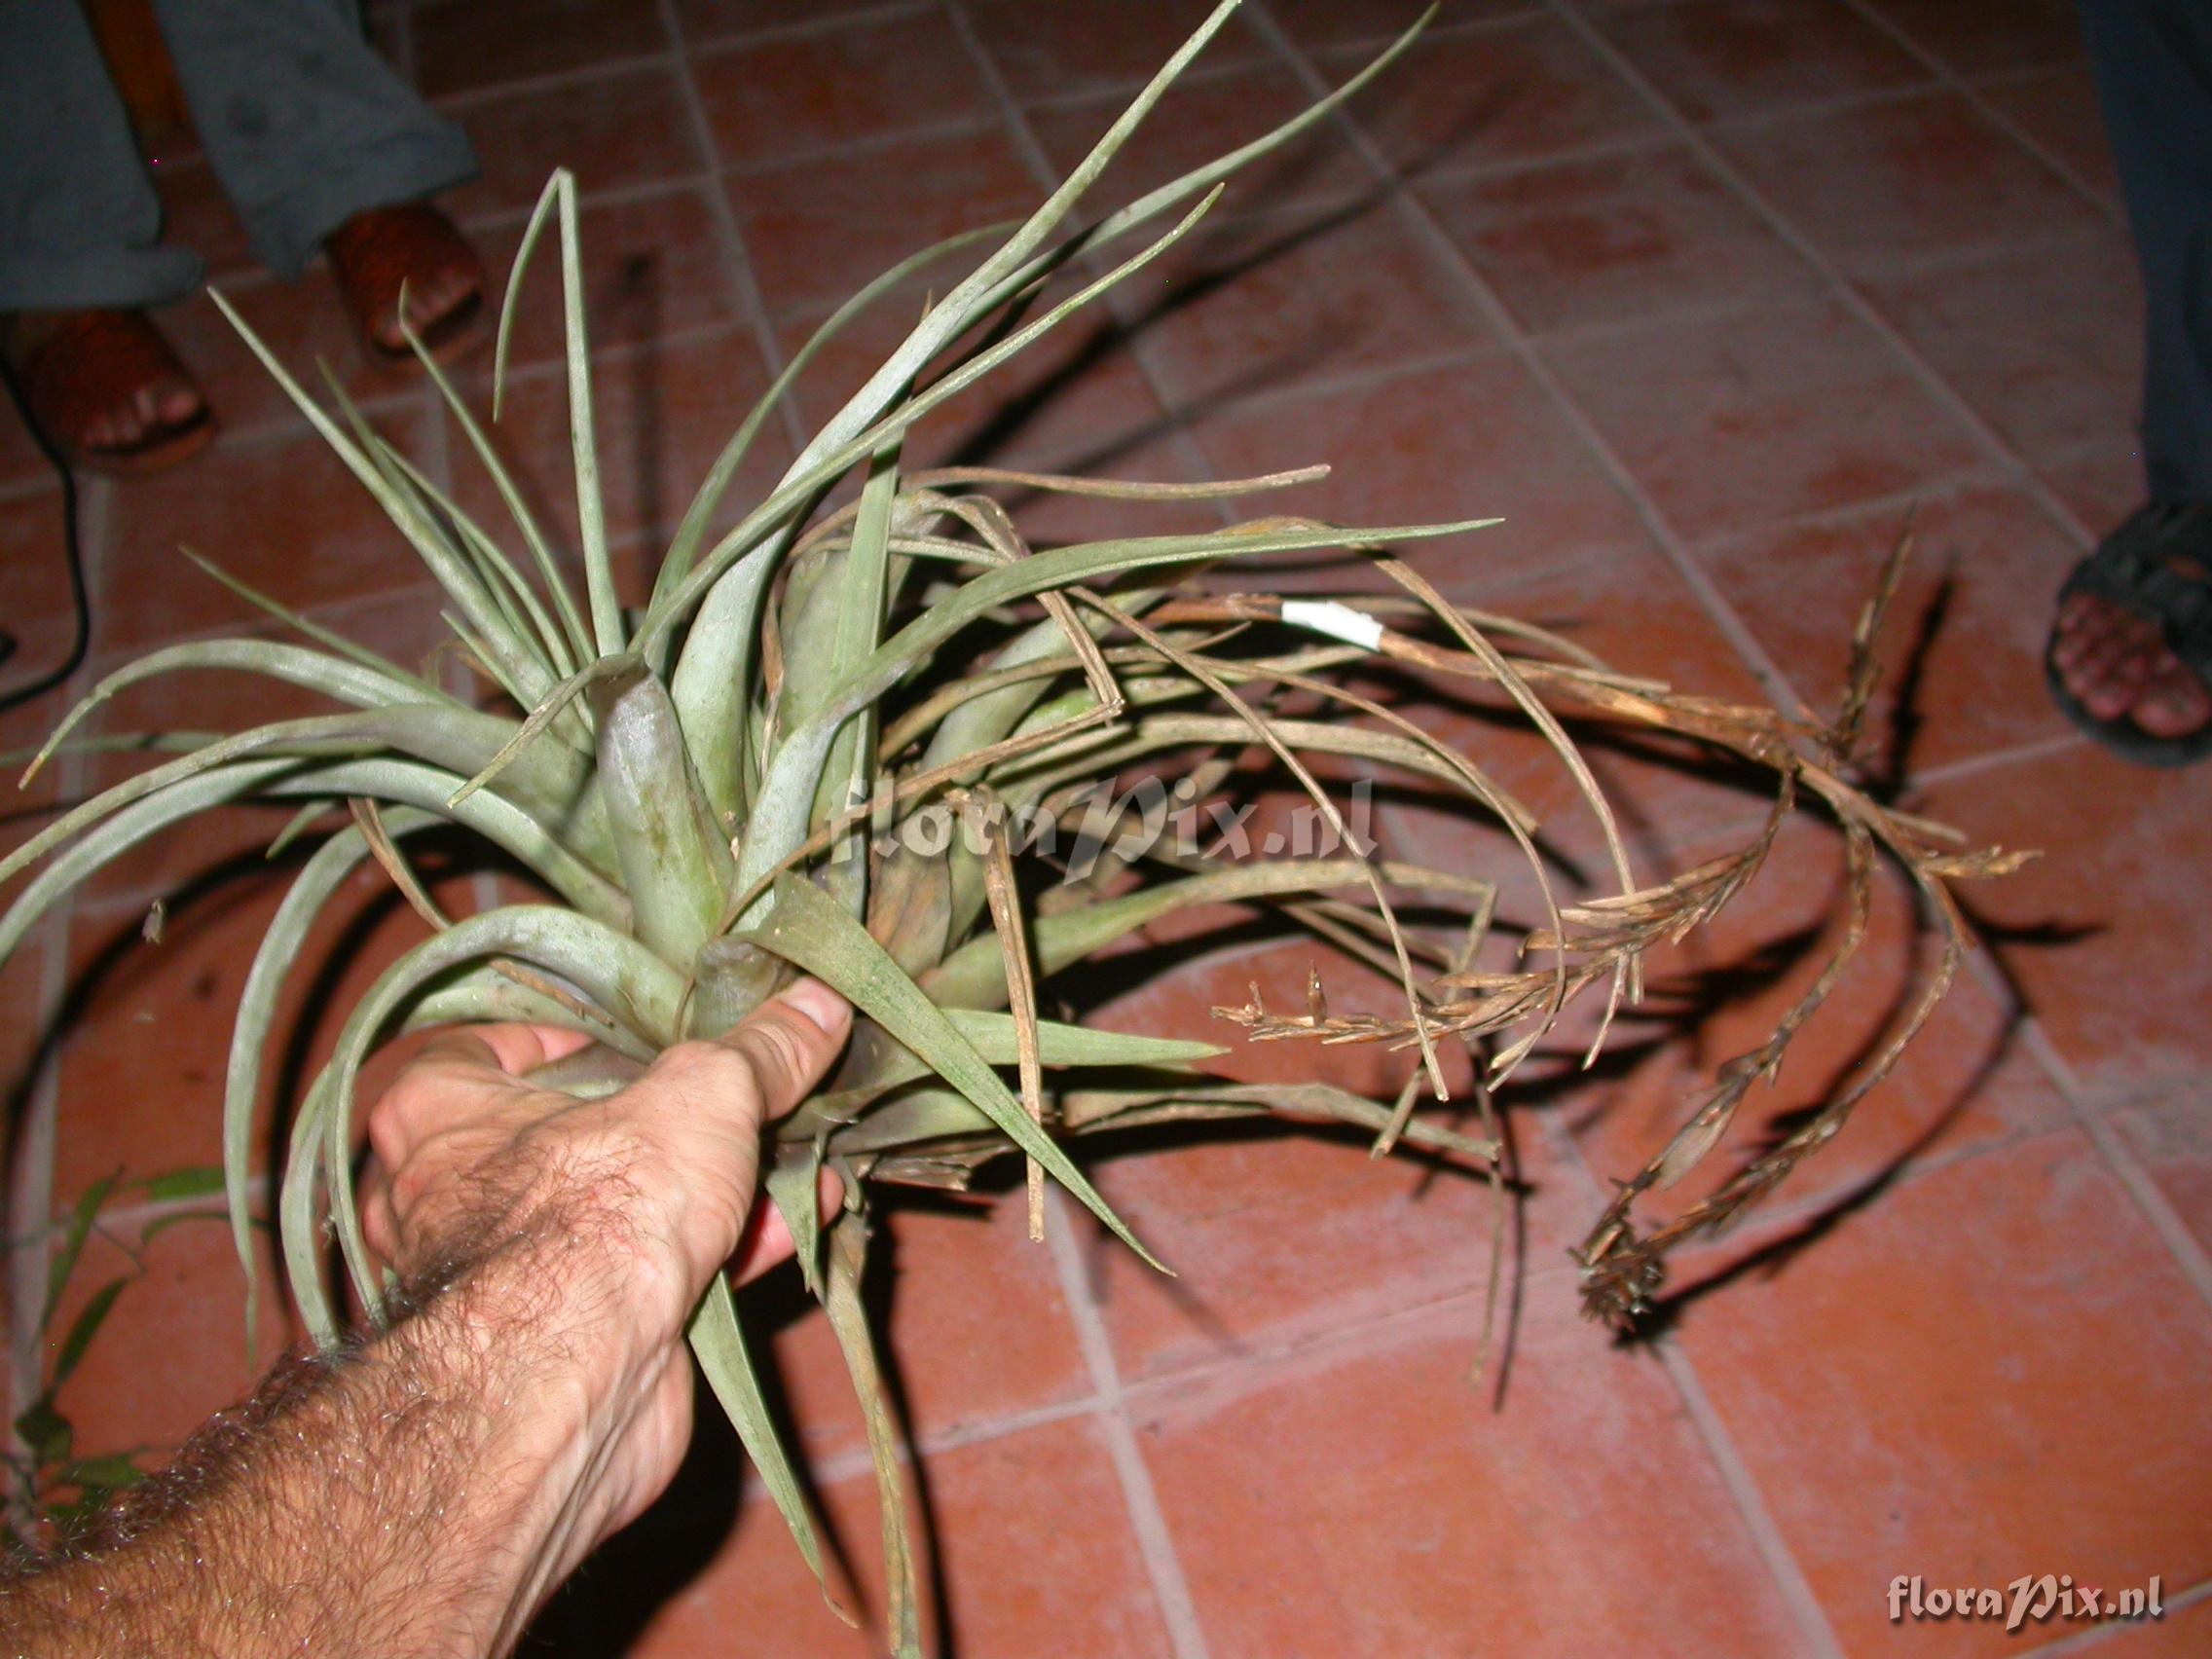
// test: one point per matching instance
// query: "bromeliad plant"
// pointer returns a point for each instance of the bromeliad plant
(724, 789)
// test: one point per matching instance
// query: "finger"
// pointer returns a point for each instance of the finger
(389, 1136)
(768, 1238)
(791, 1042)
(554, 1042)
(457, 1072)
(512, 1047)
(460, 1047)
(380, 1225)
(765, 1242)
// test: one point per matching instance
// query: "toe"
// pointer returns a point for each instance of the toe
(2116, 692)
(2174, 704)
(391, 332)
(2083, 623)
(433, 297)
(176, 403)
(440, 297)
(2099, 656)
(2112, 673)
(125, 422)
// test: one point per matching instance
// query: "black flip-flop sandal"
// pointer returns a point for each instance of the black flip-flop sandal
(2158, 565)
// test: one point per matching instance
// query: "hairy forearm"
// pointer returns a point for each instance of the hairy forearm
(417, 1496)
(409, 1497)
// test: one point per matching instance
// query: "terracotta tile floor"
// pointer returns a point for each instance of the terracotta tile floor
(1703, 296)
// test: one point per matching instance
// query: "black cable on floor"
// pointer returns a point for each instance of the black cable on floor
(73, 552)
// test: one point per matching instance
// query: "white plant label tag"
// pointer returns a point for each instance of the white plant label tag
(1338, 621)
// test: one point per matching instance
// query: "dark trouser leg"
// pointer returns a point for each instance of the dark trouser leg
(80, 225)
(305, 124)
(2153, 65)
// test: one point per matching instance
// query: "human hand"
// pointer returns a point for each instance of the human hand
(532, 1395)
(617, 1213)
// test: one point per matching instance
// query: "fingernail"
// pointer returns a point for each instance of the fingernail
(820, 1004)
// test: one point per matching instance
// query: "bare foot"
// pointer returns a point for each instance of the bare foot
(409, 248)
(106, 389)
(2114, 660)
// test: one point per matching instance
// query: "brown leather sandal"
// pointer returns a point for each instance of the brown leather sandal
(377, 254)
(82, 366)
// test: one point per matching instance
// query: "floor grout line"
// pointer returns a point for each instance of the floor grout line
(661, 187)
(1303, 1344)
(1354, 379)
(1112, 100)
(2094, 1117)
(1950, 77)
(1774, 1549)
(1422, 219)
(1751, 1507)
(1031, 149)
(1994, 760)
(806, 157)
(1451, 173)
(1155, 1540)
(1694, 314)
(810, 28)
(551, 81)
(2190, 1257)
(1963, 258)
(618, 352)
(1754, 121)
(1321, 1341)
(1750, 1502)
(752, 303)
(858, 1461)
(2164, 1220)
(1140, 1498)
(1982, 475)
(1853, 298)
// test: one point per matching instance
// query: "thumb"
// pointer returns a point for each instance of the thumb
(791, 1041)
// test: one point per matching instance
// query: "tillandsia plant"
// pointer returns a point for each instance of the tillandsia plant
(828, 744)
